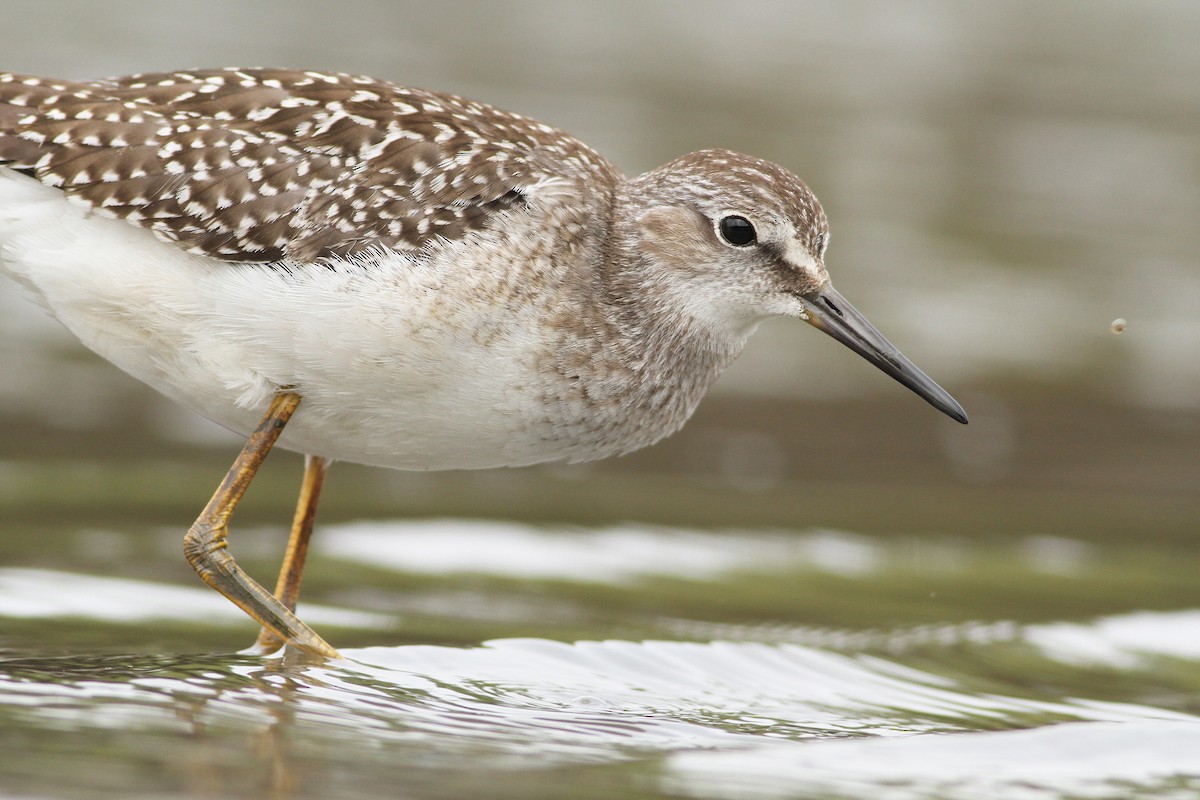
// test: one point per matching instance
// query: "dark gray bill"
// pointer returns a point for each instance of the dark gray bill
(828, 311)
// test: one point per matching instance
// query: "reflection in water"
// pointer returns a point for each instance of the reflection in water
(41, 593)
(516, 705)
(779, 709)
(1004, 180)
(1079, 760)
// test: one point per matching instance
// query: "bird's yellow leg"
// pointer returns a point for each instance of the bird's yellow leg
(206, 542)
(287, 588)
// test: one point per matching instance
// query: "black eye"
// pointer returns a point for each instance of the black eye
(737, 231)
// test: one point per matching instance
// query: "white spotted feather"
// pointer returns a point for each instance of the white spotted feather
(445, 284)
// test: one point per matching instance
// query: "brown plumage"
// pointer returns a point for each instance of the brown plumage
(461, 287)
(267, 165)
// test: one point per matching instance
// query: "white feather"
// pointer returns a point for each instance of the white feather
(397, 367)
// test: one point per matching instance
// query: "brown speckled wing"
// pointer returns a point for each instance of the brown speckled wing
(267, 165)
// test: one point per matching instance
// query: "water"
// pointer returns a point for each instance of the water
(821, 588)
(701, 681)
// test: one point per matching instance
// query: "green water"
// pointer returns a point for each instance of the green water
(821, 588)
(625, 619)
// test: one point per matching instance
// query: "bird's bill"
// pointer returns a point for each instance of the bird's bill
(829, 312)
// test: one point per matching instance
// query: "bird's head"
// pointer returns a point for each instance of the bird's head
(732, 240)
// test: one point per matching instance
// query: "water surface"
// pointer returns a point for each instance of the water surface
(701, 683)
(821, 588)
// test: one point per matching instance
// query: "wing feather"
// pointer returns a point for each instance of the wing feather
(270, 165)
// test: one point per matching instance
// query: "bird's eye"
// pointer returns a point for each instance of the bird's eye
(738, 231)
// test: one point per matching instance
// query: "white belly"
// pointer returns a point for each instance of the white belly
(400, 364)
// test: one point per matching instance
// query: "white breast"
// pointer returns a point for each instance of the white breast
(418, 364)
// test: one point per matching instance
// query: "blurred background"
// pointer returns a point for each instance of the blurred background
(1003, 181)
(817, 555)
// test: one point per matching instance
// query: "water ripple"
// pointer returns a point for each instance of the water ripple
(589, 701)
